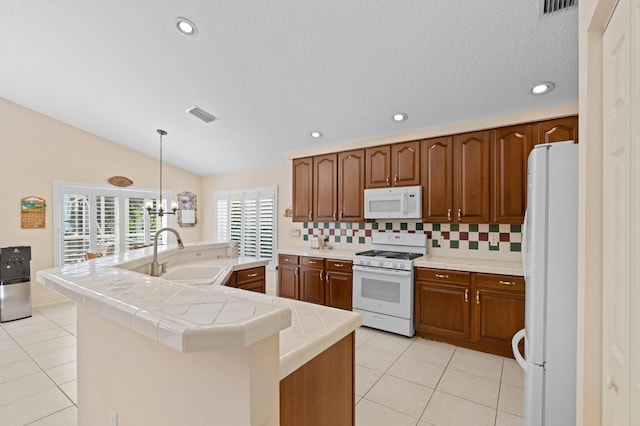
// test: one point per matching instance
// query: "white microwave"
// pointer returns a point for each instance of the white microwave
(402, 202)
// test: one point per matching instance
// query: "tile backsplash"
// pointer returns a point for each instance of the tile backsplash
(501, 241)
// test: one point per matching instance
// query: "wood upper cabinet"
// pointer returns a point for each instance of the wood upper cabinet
(339, 284)
(471, 177)
(437, 174)
(442, 303)
(393, 165)
(498, 310)
(325, 186)
(351, 175)
(302, 189)
(312, 287)
(509, 155)
(288, 273)
(557, 130)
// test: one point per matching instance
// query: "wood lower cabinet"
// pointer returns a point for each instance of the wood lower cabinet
(474, 310)
(302, 189)
(317, 280)
(393, 165)
(339, 284)
(252, 279)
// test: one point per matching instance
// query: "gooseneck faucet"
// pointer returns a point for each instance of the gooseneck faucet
(155, 268)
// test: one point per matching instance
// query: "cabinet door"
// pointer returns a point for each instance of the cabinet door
(351, 177)
(312, 285)
(303, 189)
(256, 286)
(442, 309)
(288, 281)
(437, 175)
(378, 167)
(498, 315)
(339, 290)
(471, 177)
(510, 151)
(558, 130)
(325, 185)
(405, 164)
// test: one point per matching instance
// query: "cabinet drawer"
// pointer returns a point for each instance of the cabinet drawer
(314, 262)
(339, 265)
(443, 276)
(252, 274)
(287, 259)
(500, 282)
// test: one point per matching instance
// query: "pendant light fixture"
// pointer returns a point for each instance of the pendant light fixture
(149, 206)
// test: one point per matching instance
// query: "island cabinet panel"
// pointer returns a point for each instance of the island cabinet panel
(321, 392)
(325, 186)
(288, 273)
(558, 130)
(442, 303)
(351, 176)
(499, 303)
(302, 189)
(339, 284)
(252, 279)
(312, 286)
(471, 177)
(437, 172)
(510, 152)
(393, 165)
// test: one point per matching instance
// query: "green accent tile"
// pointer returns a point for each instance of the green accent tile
(360, 240)
(349, 225)
(403, 226)
(454, 244)
(305, 238)
(305, 224)
(337, 239)
(435, 244)
(315, 225)
(516, 247)
(494, 248)
(473, 228)
(361, 226)
(494, 227)
(374, 225)
(436, 227)
(419, 226)
(388, 226)
(349, 239)
(473, 245)
(516, 228)
(326, 225)
(455, 227)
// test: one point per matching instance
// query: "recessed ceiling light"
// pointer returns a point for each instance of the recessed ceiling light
(542, 88)
(316, 134)
(400, 117)
(186, 27)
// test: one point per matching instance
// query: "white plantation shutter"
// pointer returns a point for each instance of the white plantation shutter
(248, 217)
(102, 219)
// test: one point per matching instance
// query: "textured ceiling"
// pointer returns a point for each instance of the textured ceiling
(272, 71)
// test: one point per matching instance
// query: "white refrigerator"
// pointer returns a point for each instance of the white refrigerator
(550, 258)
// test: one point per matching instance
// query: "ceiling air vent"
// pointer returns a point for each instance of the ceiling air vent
(551, 6)
(203, 115)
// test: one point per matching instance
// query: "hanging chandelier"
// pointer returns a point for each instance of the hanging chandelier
(149, 206)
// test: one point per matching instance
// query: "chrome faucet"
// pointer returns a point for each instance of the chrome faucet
(154, 263)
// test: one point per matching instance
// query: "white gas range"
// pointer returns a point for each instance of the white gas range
(383, 281)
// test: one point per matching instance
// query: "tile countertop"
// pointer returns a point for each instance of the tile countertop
(326, 253)
(194, 318)
(500, 267)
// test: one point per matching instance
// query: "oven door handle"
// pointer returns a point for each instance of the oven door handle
(382, 271)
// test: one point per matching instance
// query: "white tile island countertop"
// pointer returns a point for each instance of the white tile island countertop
(196, 318)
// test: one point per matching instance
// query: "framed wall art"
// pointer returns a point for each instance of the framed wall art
(187, 209)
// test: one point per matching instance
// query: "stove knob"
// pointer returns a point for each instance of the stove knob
(380, 263)
(396, 265)
(368, 262)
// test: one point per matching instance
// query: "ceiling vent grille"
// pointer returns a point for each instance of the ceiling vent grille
(551, 6)
(203, 115)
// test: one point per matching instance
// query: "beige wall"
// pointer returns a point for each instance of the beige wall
(38, 150)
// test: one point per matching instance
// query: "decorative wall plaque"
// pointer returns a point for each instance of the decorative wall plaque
(187, 209)
(32, 212)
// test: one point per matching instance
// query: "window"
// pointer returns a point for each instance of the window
(102, 219)
(249, 217)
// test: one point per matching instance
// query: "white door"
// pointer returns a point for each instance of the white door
(620, 205)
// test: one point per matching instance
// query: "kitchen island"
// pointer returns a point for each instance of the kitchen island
(154, 351)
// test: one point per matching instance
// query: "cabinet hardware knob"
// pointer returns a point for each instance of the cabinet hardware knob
(321, 277)
(507, 282)
(340, 214)
(611, 384)
(442, 276)
(449, 215)
(286, 259)
(326, 276)
(338, 265)
(387, 179)
(466, 295)
(477, 297)
(295, 273)
(395, 179)
(252, 275)
(334, 215)
(459, 213)
(309, 214)
(313, 262)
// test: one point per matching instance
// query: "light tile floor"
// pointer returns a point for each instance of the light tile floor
(399, 380)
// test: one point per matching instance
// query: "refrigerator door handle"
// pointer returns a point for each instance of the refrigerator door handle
(523, 250)
(516, 353)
